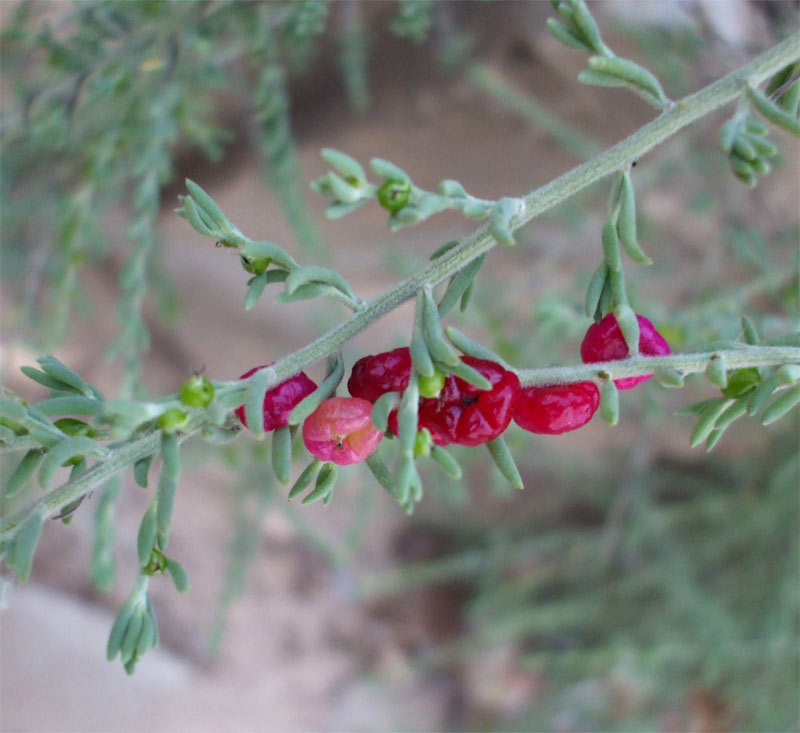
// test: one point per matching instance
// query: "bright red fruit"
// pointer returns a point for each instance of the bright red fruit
(604, 342)
(281, 399)
(341, 430)
(377, 374)
(466, 415)
(556, 409)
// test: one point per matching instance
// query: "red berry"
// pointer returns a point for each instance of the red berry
(341, 430)
(281, 399)
(604, 342)
(466, 415)
(556, 409)
(377, 374)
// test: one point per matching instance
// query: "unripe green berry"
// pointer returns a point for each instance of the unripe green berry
(741, 382)
(75, 428)
(255, 265)
(431, 386)
(172, 420)
(197, 391)
(394, 195)
(423, 443)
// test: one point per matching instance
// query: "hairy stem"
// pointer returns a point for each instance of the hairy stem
(616, 158)
(537, 201)
(747, 356)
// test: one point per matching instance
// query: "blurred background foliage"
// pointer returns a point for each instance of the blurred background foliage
(634, 585)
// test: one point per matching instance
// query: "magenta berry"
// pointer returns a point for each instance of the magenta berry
(341, 430)
(466, 415)
(604, 342)
(556, 409)
(281, 399)
(377, 374)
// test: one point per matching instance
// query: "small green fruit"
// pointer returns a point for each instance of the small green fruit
(197, 391)
(394, 195)
(431, 386)
(255, 265)
(172, 420)
(423, 443)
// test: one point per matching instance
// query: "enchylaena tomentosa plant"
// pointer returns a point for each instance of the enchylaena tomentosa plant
(444, 388)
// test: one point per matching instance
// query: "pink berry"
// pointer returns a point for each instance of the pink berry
(281, 399)
(556, 409)
(604, 342)
(341, 430)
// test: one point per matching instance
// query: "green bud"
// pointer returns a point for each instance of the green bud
(197, 391)
(76, 428)
(431, 386)
(394, 195)
(423, 442)
(741, 382)
(255, 265)
(172, 420)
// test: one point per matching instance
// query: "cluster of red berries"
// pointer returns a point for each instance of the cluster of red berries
(451, 410)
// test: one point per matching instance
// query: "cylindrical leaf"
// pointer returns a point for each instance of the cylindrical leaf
(611, 247)
(62, 452)
(446, 462)
(167, 486)
(255, 288)
(269, 251)
(716, 371)
(472, 348)
(381, 472)
(23, 472)
(773, 112)
(305, 478)
(324, 484)
(25, 541)
(310, 403)
(761, 394)
(389, 170)
(120, 625)
(343, 164)
(749, 331)
(146, 538)
(470, 375)
(439, 349)
(381, 409)
(595, 289)
(629, 326)
(630, 72)
(458, 285)
(708, 420)
(314, 274)
(781, 406)
(669, 377)
(179, 576)
(282, 454)
(255, 390)
(505, 461)
(407, 414)
(609, 402)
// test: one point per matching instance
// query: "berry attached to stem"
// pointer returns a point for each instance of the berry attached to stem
(556, 409)
(281, 399)
(340, 430)
(466, 415)
(604, 342)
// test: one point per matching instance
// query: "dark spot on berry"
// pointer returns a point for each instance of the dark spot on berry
(468, 400)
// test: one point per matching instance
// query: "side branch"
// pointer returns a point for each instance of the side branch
(749, 356)
(678, 116)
